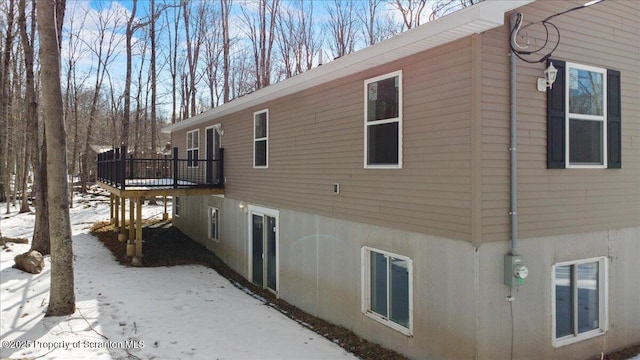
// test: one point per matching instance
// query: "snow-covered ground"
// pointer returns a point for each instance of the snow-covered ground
(183, 312)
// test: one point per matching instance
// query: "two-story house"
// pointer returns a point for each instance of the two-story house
(384, 191)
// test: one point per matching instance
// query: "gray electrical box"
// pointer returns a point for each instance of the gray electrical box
(514, 270)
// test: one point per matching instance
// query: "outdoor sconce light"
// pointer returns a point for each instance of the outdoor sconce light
(549, 78)
(243, 207)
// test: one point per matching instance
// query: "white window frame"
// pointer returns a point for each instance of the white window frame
(603, 302)
(366, 289)
(397, 74)
(602, 118)
(266, 139)
(190, 146)
(210, 211)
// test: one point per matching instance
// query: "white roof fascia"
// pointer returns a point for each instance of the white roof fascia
(478, 18)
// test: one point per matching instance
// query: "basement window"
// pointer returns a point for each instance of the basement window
(387, 290)
(579, 300)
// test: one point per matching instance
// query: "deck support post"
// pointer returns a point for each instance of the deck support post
(139, 228)
(131, 246)
(116, 213)
(122, 236)
(165, 214)
(111, 205)
(132, 209)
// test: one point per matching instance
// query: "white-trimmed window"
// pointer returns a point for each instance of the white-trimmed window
(261, 139)
(176, 205)
(214, 223)
(387, 289)
(586, 118)
(579, 300)
(193, 143)
(383, 121)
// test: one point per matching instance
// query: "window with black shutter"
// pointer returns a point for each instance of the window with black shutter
(583, 118)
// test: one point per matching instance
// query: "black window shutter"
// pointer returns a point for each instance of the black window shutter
(614, 119)
(556, 119)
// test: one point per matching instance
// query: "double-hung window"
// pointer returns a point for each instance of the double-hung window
(579, 300)
(584, 117)
(193, 142)
(214, 223)
(261, 139)
(387, 289)
(383, 121)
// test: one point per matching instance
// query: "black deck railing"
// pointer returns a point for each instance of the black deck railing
(120, 170)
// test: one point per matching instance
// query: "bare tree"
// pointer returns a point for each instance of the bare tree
(213, 49)
(3, 120)
(298, 40)
(411, 11)
(377, 26)
(288, 37)
(240, 80)
(62, 297)
(115, 110)
(138, 114)
(5, 89)
(441, 8)
(16, 106)
(131, 27)
(31, 111)
(343, 27)
(172, 19)
(73, 89)
(260, 27)
(225, 8)
(194, 28)
(104, 50)
(153, 70)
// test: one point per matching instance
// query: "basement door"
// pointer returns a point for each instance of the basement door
(263, 238)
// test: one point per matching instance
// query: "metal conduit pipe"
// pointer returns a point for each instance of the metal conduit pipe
(513, 147)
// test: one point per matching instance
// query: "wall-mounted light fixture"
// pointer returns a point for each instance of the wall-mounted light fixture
(549, 78)
(243, 207)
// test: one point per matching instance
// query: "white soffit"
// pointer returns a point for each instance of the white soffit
(478, 18)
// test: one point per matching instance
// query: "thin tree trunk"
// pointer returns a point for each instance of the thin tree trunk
(127, 84)
(225, 6)
(4, 103)
(152, 35)
(152, 38)
(62, 297)
(41, 240)
(30, 96)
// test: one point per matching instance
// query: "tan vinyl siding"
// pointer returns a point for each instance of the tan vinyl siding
(560, 201)
(316, 139)
(179, 140)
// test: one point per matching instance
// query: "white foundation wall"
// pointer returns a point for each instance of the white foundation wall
(459, 299)
(532, 307)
